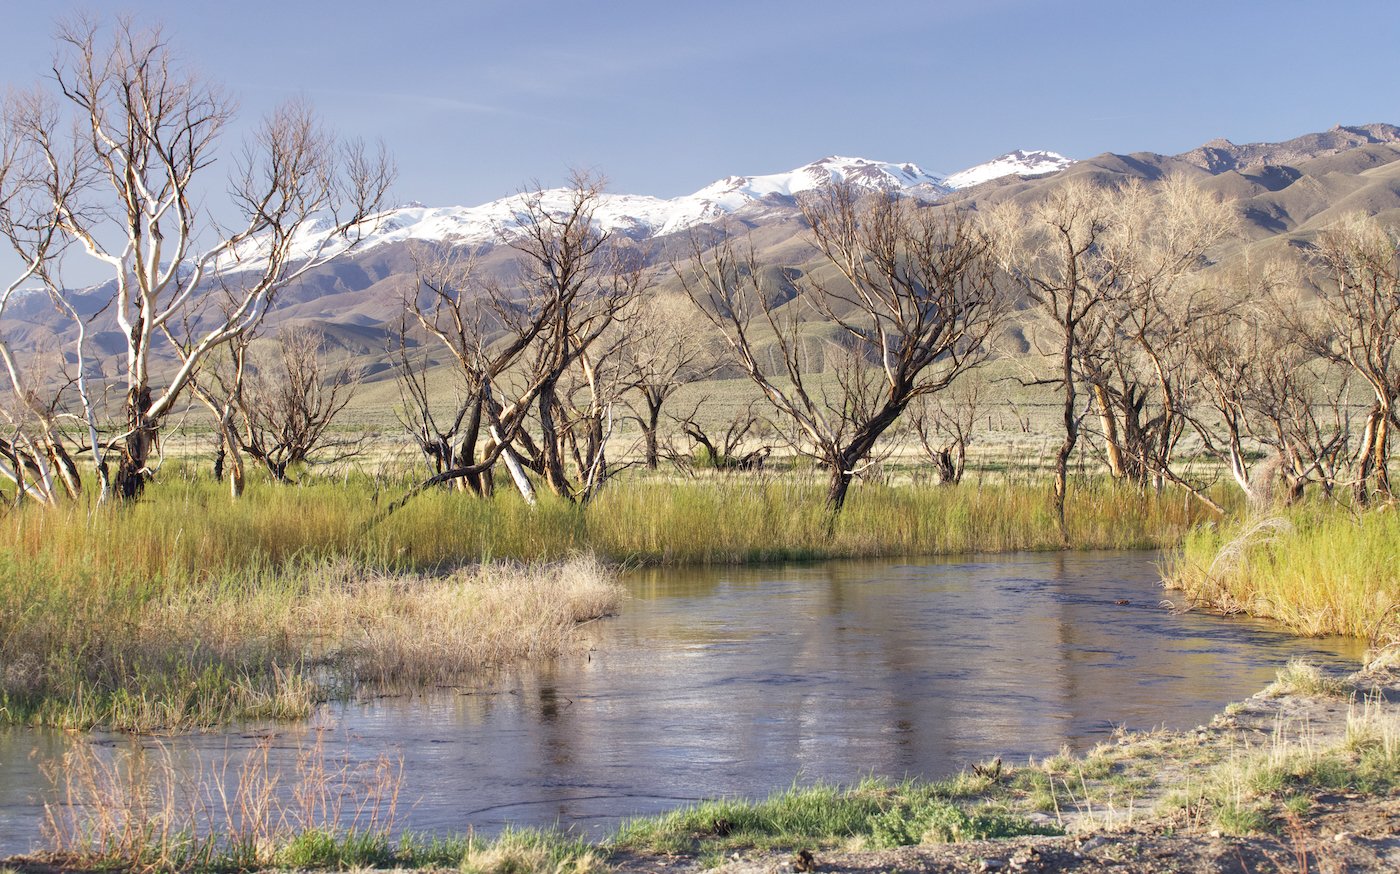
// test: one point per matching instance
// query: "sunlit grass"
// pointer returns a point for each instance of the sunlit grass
(1319, 569)
(873, 813)
(270, 645)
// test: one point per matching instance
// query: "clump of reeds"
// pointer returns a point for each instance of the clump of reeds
(1301, 677)
(1319, 570)
(145, 807)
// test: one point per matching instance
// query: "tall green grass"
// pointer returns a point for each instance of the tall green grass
(730, 520)
(1318, 568)
(189, 529)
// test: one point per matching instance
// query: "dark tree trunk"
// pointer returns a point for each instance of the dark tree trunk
(649, 431)
(840, 485)
(132, 471)
(945, 467)
(1067, 446)
(551, 452)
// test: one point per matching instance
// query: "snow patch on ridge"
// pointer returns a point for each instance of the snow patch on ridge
(1019, 163)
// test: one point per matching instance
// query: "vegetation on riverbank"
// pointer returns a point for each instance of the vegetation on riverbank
(187, 609)
(189, 528)
(1317, 568)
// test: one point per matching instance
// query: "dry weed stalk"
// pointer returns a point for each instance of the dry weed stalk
(143, 808)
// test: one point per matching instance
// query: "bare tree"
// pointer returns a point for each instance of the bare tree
(1106, 271)
(517, 346)
(1053, 251)
(915, 306)
(582, 282)
(35, 181)
(1357, 326)
(945, 424)
(1265, 389)
(1137, 360)
(667, 350)
(289, 404)
(724, 443)
(434, 426)
(485, 333)
(150, 128)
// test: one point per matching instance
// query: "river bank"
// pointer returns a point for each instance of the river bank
(185, 610)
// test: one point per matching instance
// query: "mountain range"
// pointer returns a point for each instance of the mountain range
(642, 217)
(1285, 193)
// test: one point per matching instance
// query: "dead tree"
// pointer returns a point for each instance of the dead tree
(150, 128)
(726, 444)
(1136, 360)
(582, 283)
(915, 307)
(1105, 270)
(1052, 251)
(1266, 393)
(667, 350)
(486, 332)
(945, 425)
(1357, 326)
(434, 427)
(36, 180)
(517, 345)
(289, 404)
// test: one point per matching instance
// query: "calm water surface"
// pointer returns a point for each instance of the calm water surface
(736, 682)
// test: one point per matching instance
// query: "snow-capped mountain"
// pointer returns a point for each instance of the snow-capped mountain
(734, 192)
(641, 216)
(1020, 163)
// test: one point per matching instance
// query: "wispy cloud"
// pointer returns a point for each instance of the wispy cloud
(435, 102)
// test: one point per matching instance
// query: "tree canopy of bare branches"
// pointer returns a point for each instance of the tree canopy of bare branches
(1107, 270)
(915, 306)
(1357, 326)
(290, 402)
(539, 357)
(665, 350)
(147, 130)
(35, 181)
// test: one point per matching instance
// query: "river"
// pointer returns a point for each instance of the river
(737, 682)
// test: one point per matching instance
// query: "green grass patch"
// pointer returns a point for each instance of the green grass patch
(873, 812)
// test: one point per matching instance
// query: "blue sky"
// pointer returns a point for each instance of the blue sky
(477, 98)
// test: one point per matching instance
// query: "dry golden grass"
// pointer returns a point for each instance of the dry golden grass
(209, 651)
(418, 629)
(137, 806)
